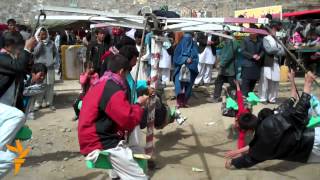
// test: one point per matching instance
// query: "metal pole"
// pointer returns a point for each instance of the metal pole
(43, 14)
(141, 50)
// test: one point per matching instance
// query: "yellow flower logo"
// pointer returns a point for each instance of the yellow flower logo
(22, 153)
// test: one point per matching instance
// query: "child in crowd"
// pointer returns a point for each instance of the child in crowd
(297, 39)
(87, 79)
(33, 86)
(46, 52)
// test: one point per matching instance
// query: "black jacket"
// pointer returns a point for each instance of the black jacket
(268, 60)
(95, 52)
(10, 69)
(282, 136)
(15, 35)
(250, 48)
(203, 40)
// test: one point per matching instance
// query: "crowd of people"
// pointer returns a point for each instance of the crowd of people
(113, 105)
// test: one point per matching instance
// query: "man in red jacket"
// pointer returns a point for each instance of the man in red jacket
(106, 117)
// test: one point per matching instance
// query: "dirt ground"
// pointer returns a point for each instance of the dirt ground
(195, 144)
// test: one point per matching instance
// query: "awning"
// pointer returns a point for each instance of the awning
(57, 21)
(302, 13)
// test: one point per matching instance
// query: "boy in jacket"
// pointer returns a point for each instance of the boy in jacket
(46, 52)
(107, 117)
(33, 86)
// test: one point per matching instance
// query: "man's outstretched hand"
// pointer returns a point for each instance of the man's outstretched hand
(233, 154)
(237, 84)
(291, 75)
(142, 100)
(236, 153)
(308, 80)
(30, 44)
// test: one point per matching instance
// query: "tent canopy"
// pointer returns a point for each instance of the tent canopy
(70, 21)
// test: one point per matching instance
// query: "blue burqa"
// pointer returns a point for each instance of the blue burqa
(187, 48)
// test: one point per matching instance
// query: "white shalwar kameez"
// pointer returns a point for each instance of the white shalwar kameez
(269, 83)
(165, 66)
(205, 66)
(270, 76)
(143, 69)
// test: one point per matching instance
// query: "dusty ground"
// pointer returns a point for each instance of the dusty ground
(55, 150)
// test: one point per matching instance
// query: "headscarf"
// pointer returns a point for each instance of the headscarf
(114, 77)
(36, 35)
(187, 48)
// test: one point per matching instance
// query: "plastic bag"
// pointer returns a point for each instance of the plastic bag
(185, 75)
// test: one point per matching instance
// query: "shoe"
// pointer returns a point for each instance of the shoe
(185, 106)
(36, 108)
(179, 119)
(52, 108)
(272, 102)
(30, 116)
(214, 100)
(151, 165)
(75, 118)
(44, 105)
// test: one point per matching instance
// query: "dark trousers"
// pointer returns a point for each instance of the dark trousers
(219, 83)
(247, 86)
(75, 106)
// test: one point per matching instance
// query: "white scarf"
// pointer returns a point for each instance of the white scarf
(36, 35)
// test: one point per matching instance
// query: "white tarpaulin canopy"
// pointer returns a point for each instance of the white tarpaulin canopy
(103, 18)
(53, 21)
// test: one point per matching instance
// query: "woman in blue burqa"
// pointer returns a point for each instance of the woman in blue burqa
(185, 58)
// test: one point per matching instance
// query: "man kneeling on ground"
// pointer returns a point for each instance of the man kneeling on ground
(280, 134)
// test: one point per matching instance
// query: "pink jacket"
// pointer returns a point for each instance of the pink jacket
(84, 80)
(296, 38)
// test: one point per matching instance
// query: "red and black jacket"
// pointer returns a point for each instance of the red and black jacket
(281, 136)
(105, 115)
